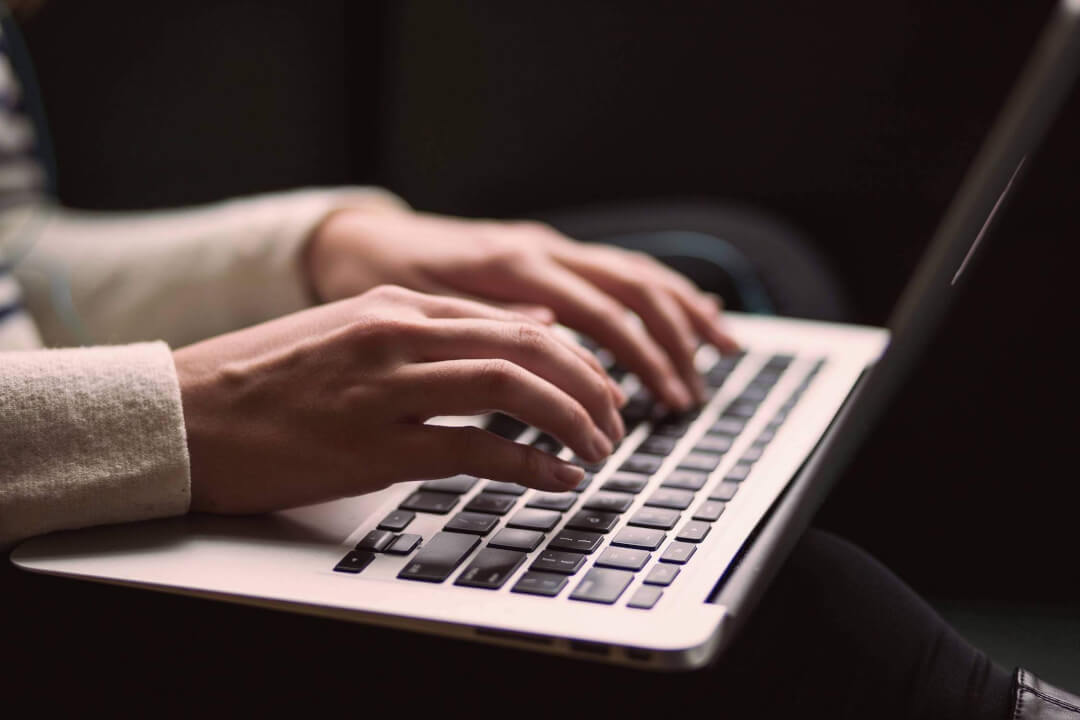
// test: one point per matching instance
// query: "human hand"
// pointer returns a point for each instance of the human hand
(587, 287)
(331, 402)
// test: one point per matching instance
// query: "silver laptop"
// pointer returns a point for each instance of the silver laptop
(657, 559)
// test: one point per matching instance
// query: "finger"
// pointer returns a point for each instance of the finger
(472, 387)
(429, 451)
(442, 306)
(585, 354)
(584, 307)
(536, 312)
(537, 349)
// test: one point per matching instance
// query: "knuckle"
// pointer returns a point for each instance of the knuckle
(389, 293)
(497, 375)
(531, 339)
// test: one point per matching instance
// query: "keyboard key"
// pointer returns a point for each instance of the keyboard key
(655, 518)
(752, 455)
(555, 561)
(491, 568)
(593, 520)
(576, 541)
(491, 503)
(724, 491)
(471, 522)
(694, 531)
(755, 392)
(397, 520)
(671, 498)
(439, 557)
(638, 537)
(686, 479)
(626, 482)
(644, 598)
(511, 539)
(642, 464)
(504, 488)
(658, 445)
(430, 502)
(623, 559)
(548, 444)
(706, 462)
(738, 472)
(727, 426)
(709, 510)
(741, 409)
(662, 574)
(671, 428)
(765, 437)
(505, 426)
(609, 502)
(585, 482)
(586, 465)
(678, 553)
(714, 443)
(552, 501)
(355, 561)
(540, 583)
(404, 544)
(780, 362)
(601, 585)
(533, 519)
(375, 541)
(457, 485)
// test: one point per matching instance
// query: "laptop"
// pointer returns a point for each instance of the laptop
(656, 560)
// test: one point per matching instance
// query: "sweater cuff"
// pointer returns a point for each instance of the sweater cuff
(90, 436)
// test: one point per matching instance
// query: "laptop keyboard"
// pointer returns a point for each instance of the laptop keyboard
(493, 529)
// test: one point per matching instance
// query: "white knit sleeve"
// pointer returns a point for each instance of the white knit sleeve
(90, 436)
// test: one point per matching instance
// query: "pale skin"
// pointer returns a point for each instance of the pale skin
(430, 316)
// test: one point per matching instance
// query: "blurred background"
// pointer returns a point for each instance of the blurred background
(850, 121)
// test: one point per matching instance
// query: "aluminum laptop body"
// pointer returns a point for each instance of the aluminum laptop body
(824, 386)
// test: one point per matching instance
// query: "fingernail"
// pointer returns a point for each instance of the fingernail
(569, 476)
(602, 446)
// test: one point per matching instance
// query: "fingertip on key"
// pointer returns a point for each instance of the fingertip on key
(569, 476)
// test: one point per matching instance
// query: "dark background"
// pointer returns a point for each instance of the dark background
(853, 121)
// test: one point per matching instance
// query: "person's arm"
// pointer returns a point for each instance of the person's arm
(175, 275)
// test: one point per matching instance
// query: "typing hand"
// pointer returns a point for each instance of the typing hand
(587, 287)
(331, 402)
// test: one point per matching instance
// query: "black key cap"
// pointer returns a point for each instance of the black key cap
(566, 563)
(505, 426)
(540, 583)
(355, 561)
(686, 479)
(511, 539)
(658, 445)
(491, 568)
(741, 409)
(765, 437)
(552, 501)
(655, 518)
(694, 531)
(779, 362)
(534, 519)
(609, 502)
(504, 488)
(593, 520)
(709, 510)
(678, 553)
(491, 503)
(706, 462)
(671, 428)
(644, 598)
(601, 585)
(755, 392)
(626, 482)
(661, 574)
(714, 443)
(585, 482)
(623, 559)
(471, 522)
(738, 472)
(727, 426)
(430, 502)
(586, 465)
(576, 541)
(752, 455)
(638, 537)
(548, 444)
(724, 491)
(439, 557)
(642, 464)
(671, 498)
(375, 541)
(404, 544)
(397, 520)
(457, 485)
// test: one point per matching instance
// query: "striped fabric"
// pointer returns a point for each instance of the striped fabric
(22, 180)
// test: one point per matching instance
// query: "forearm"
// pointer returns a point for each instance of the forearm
(177, 275)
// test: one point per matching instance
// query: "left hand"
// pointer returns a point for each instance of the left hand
(586, 287)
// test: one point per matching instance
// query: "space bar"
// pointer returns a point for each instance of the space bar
(440, 557)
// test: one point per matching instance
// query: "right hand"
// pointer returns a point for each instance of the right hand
(332, 402)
